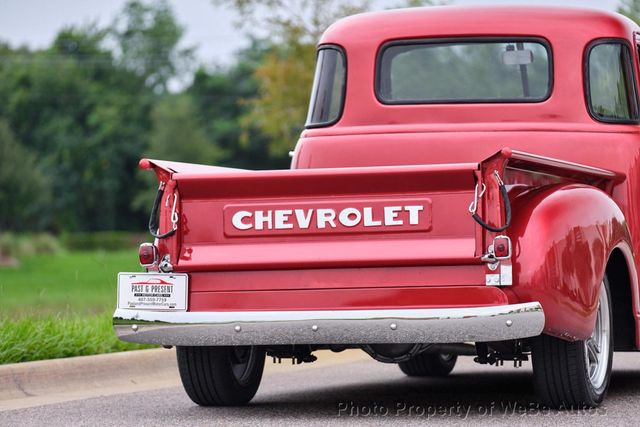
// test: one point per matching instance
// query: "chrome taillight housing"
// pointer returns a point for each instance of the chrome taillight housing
(148, 254)
(502, 247)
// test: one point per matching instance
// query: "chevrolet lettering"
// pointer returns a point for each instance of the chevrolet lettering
(342, 217)
(281, 219)
(466, 185)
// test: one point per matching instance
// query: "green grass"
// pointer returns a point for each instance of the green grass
(60, 305)
(50, 337)
(68, 283)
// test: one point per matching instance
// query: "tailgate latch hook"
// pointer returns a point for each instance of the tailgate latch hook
(473, 207)
(174, 212)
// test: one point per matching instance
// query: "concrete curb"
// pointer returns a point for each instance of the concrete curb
(37, 382)
(24, 385)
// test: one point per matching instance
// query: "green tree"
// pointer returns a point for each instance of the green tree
(286, 73)
(631, 9)
(176, 134)
(284, 81)
(306, 19)
(85, 118)
(24, 190)
(221, 96)
(84, 107)
(148, 38)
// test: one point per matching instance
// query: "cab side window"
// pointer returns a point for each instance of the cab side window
(611, 95)
(327, 94)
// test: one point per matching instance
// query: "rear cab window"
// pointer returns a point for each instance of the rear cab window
(467, 70)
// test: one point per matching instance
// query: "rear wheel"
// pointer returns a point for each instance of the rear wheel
(429, 365)
(576, 374)
(221, 376)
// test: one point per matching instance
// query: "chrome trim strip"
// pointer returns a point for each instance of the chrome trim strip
(432, 325)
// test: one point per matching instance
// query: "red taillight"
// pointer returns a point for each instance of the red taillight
(502, 247)
(148, 254)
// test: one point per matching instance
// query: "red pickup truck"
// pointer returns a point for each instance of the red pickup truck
(467, 185)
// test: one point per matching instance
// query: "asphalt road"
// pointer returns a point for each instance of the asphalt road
(355, 393)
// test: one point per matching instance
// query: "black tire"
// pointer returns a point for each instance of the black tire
(429, 365)
(221, 376)
(566, 374)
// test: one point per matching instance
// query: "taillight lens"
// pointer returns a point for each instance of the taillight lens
(502, 247)
(148, 254)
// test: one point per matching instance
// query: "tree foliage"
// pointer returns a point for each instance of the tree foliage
(83, 116)
(279, 110)
(76, 117)
(631, 9)
(24, 197)
(285, 75)
(304, 19)
(222, 97)
(83, 110)
(148, 38)
(176, 133)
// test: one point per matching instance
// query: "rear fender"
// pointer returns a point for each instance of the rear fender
(563, 236)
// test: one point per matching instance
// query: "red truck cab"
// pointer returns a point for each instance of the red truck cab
(465, 186)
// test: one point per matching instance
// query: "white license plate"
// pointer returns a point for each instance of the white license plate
(152, 291)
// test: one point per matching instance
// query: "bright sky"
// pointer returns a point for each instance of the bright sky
(211, 28)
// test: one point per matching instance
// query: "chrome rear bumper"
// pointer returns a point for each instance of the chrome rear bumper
(438, 325)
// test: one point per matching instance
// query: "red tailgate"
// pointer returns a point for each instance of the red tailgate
(321, 218)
